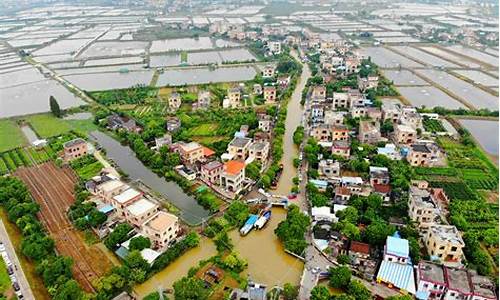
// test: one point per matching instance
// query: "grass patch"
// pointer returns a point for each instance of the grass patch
(4, 278)
(46, 125)
(203, 130)
(82, 126)
(11, 135)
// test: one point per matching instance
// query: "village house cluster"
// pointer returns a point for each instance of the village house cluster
(124, 203)
(445, 275)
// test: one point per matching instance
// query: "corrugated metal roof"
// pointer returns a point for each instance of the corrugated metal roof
(399, 275)
(397, 246)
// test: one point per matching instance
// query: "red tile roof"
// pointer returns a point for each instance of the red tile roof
(234, 167)
(208, 152)
(359, 247)
(382, 188)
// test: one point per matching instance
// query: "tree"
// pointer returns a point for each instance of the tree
(190, 289)
(51, 269)
(377, 232)
(139, 243)
(290, 292)
(119, 235)
(70, 290)
(350, 231)
(252, 170)
(358, 290)
(320, 292)
(340, 277)
(350, 214)
(54, 107)
(223, 242)
(343, 259)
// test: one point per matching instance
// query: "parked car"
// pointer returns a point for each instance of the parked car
(2, 247)
(16, 286)
(10, 270)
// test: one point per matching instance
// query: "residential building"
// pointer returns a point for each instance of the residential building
(274, 47)
(259, 151)
(425, 154)
(458, 284)
(340, 100)
(211, 172)
(238, 148)
(341, 148)
(203, 100)
(482, 287)
(234, 97)
(358, 250)
(174, 101)
(334, 117)
(317, 112)
(374, 113)
(379, 175)
(124, 199)
(140, 211)
(319, 92)
(189, 152)
(404, 134)
(233, 175)
(283, 81)
(391, 111)
(257, 89)
(340, 133)
(444, 243)
(108, 189)
(268, 71)
(369, 132)
(431, 280)
(161, 229)
(352, 64)
(270, 94)
(329, 168)
(397, 250)
(358, 111)
(356, 98)
(321, 133)
(422, 207)
(173, 124)
(75, 149)
(369, 82)
(390, 151)
(265, 123)
(165, 140)
(342, 195)
(116, 122)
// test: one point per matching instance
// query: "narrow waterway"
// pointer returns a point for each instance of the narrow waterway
(293, 119)
(268, 263)
(178, 269)
(124, 157)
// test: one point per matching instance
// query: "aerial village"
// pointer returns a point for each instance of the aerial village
(299, 170)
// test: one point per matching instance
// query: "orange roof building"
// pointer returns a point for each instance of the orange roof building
(233, 176)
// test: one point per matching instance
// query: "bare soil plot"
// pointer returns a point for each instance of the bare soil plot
(52, 188)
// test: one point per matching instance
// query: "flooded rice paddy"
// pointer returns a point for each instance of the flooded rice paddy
(478, 77)
(109, 81)
(475, 54)
(385, 58)
(205, 75)
(485, 132)
(473, 95)
(424, 57)
(450, 56)
(202, 58)
(189, 44)
(404, 77)
(428, 96)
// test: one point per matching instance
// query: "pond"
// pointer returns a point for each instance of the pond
(428, 96)
(124, 157)
(110, 81)
(485, 132)
(205, 75)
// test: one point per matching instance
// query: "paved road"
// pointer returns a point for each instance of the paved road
(18, 271)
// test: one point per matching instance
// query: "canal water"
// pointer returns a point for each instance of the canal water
(124, 157)
(268, 263)
(293, 119)
(178, 269)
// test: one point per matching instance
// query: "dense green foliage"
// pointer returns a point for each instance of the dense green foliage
(54, 107)
(133, 95)
(291, 230)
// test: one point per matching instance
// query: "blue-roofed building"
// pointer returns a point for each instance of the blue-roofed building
(107, 209)
(397, 275)
(397, 250)
(320, 184)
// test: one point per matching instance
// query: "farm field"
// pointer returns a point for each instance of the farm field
(46, 125)
(23, 157)
(450, 56)
(385, 58)
(428, 96)
(12, 136)
(424, 57)
(52, 189)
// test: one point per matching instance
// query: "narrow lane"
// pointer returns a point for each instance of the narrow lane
(18, 270)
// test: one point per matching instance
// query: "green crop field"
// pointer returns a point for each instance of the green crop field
(46, 125)
(11, 135)
(203, 130)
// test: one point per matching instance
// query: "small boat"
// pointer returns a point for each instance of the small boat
(249, 224)
(262, 221)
